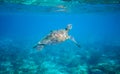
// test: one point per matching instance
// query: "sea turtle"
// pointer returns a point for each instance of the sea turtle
(56, 36)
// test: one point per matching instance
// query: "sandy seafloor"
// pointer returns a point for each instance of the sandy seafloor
(98, 33)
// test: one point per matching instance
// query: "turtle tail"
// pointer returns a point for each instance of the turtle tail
(39, 46)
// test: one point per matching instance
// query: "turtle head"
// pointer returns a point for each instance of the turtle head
(69, 27)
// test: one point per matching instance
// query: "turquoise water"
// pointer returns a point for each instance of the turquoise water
(95, 27)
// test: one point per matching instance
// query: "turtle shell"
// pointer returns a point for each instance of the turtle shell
(55, 37)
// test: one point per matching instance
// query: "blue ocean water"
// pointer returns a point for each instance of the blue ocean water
(98, 33)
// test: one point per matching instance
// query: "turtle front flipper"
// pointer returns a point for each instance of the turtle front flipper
(74, 41)
(39, 46)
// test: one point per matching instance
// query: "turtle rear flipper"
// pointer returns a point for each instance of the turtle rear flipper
(39, 46)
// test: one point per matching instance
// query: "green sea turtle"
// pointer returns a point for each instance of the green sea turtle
(55, 37)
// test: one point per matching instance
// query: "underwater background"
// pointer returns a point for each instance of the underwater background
(96, 27)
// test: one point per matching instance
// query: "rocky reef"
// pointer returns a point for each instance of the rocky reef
(17, 58)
